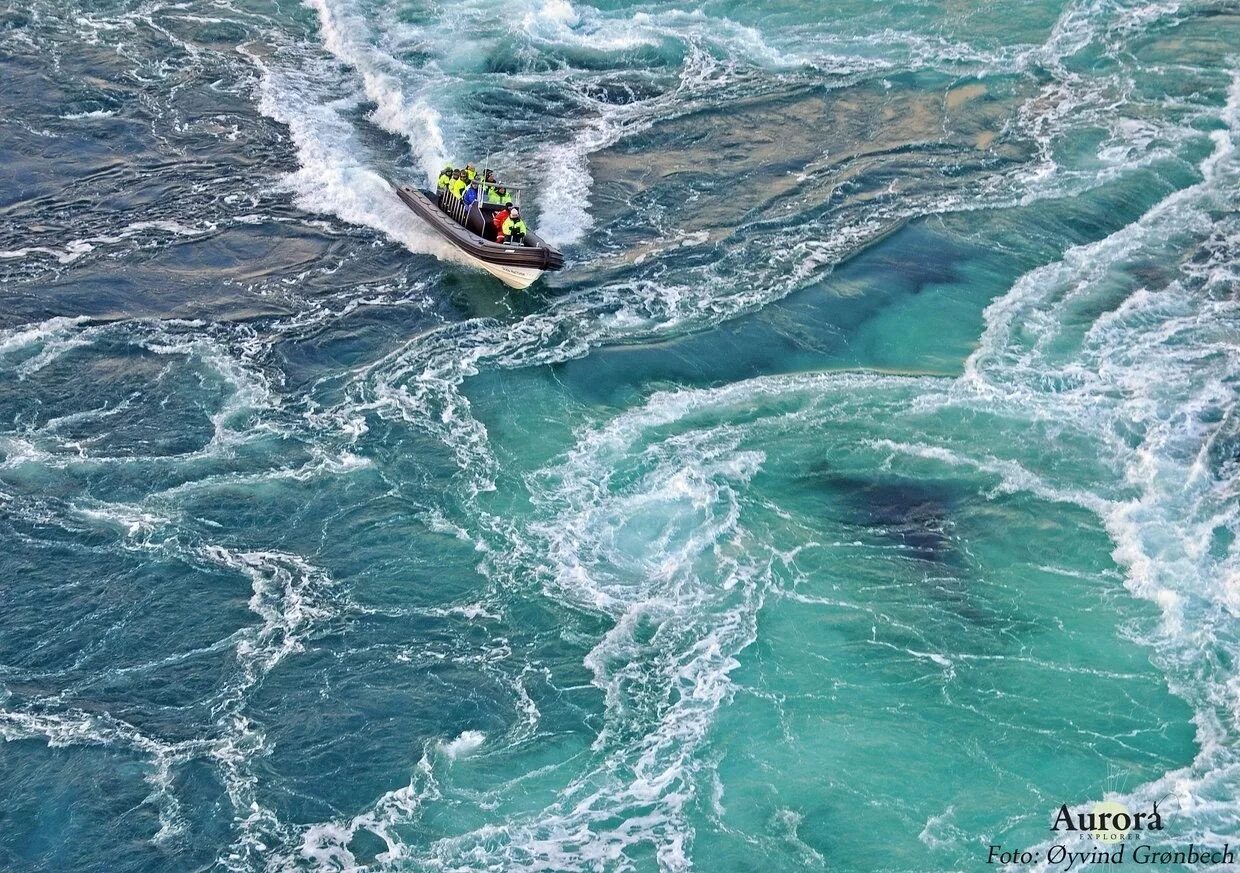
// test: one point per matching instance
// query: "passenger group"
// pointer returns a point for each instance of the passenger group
(463, 184)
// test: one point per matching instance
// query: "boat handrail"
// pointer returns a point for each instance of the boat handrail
(454, 207)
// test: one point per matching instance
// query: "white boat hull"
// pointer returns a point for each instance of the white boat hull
(514, 277)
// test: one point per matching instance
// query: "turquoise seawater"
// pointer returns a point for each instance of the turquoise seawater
(865, 488)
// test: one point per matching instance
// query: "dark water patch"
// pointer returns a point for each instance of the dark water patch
(14, 19)
(512, 56)
(275, 505)
(176, 694)
(68, 635)
(912, 514)
(621, 89)
(380, 548)
(416, 57)
(505, 113)
(220, 275)
(351, 717)
(919, 259)
(321, 350)
(909, 543)
(76, 809)
(185, 152)
(219, 35)
(136, 393)
(1223, 447)
(36, 154)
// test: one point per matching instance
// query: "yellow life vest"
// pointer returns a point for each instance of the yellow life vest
(493, 196)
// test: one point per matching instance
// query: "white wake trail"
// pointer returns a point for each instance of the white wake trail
(344, 34)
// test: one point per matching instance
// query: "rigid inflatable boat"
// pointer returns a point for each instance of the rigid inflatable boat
(517, 265)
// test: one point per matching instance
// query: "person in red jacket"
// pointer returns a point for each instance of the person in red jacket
(498, 222)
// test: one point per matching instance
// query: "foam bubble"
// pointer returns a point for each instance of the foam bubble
(464, 745)
(93, 114)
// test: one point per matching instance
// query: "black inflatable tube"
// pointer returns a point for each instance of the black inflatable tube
(534, 253)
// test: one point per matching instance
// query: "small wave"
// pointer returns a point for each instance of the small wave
(93, 114)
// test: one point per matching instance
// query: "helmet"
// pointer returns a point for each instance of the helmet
(514, 209)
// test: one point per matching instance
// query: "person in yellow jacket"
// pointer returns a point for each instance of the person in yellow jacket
(499, 194)
(470, 172)
(445, 179)
(458, 184)
(514, 227)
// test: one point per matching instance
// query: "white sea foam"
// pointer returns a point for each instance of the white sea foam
(941, 831)
(42, 333)
(291, 596)
(698, 592)
(334, 176)
(347, 36)
(559, 22)
(93, 114)
(464, 745)
(1157, 364)
(326, 845)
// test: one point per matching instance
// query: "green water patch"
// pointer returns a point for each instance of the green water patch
(937, 664)
(944, 669)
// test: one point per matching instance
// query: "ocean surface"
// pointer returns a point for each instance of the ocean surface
(865, 488)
